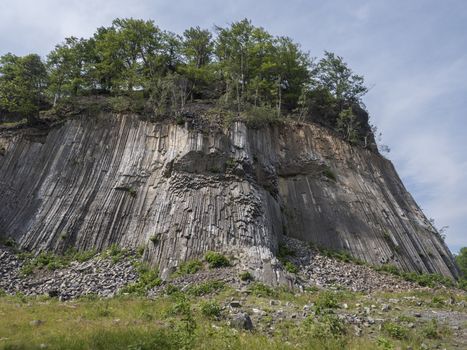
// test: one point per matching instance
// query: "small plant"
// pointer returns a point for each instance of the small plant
(10, 242)
(148, 279)
(189, 267)
(245, 276)
(205, 288)
(283, 251)
(291, 267)
(63, 236)
(384, 344)
(216, 260)
(431, 330)
(2, 293)
(140, 251)
(261, 290)
(327, 172)
(211, 309)
(115, 253)
(325, 301)
(155, 239)
(395, 330)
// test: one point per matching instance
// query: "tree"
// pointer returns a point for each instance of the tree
(347, 125)
(22, 84)
(333, 73)
(461, 261)
(68, 67)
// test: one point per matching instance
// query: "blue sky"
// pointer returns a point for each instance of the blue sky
(412, 53)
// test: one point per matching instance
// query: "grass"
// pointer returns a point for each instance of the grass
(51, 261)
(189, 267)
(190, 321)
(148, 279)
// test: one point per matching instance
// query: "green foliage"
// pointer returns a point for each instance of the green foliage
(216, 260)
(115, 253)
(384, 344)
(283, 251)
(423, 279)
(325, 301)
(245, 276)
(155, 239)
(327, 171)
(189, 267)
(431, 330)
(258, 117)
(261, 290)
(52, 261)
(461, 260)
(291, 267)
(333, 74)
(347, 125)
(22, 84)
(395, 330)
(205, 288)
(211, 309)
(148, 278)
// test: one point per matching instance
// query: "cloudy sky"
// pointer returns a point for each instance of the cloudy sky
(412, 53)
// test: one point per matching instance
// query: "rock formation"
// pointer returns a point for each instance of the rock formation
(177, 191)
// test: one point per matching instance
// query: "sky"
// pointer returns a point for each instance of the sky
(413, 55)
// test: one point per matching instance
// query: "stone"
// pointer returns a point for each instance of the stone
(241, 321)
(235, 303)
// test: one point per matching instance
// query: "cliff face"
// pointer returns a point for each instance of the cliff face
(116, 179)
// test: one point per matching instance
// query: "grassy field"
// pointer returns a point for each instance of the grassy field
(194, 320)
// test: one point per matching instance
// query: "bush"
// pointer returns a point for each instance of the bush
(211, 309)
(189, 267)
(290, 267)
(148, 279)
(261, 290)
(327, 172)
(216, 260)
(396, 331)
(155, 239)
(258, 117)
(245, 276)
(431, 331)
(205, 288)
(325, 300)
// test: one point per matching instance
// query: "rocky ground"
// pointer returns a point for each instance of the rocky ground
(105, 276)
(373, 305)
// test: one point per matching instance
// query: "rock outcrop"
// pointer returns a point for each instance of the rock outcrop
(95, 181)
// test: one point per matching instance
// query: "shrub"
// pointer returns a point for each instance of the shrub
(216, 260)
(189, 267)
(205, 288)
(155, 239)
(290, 267)
(395, 330)
(324, 301)
(327, 172)
(431, 331)
(258, 117)
(211, 309)
(261, 290)
(115, 253)
(245, 276)
(148, 278)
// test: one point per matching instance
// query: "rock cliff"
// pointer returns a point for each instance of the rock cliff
(177, 191)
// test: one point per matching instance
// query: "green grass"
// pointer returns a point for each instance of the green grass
(190, 321)
(148, 279)
(189, 267)
(51, 261)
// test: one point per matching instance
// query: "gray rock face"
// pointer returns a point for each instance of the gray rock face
(116, 179)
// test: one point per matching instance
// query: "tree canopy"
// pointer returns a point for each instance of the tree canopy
(240, 65)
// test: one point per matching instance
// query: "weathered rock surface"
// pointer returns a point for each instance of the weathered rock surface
(109, 179)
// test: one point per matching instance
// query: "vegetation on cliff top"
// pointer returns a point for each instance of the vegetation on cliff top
(242, 68)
